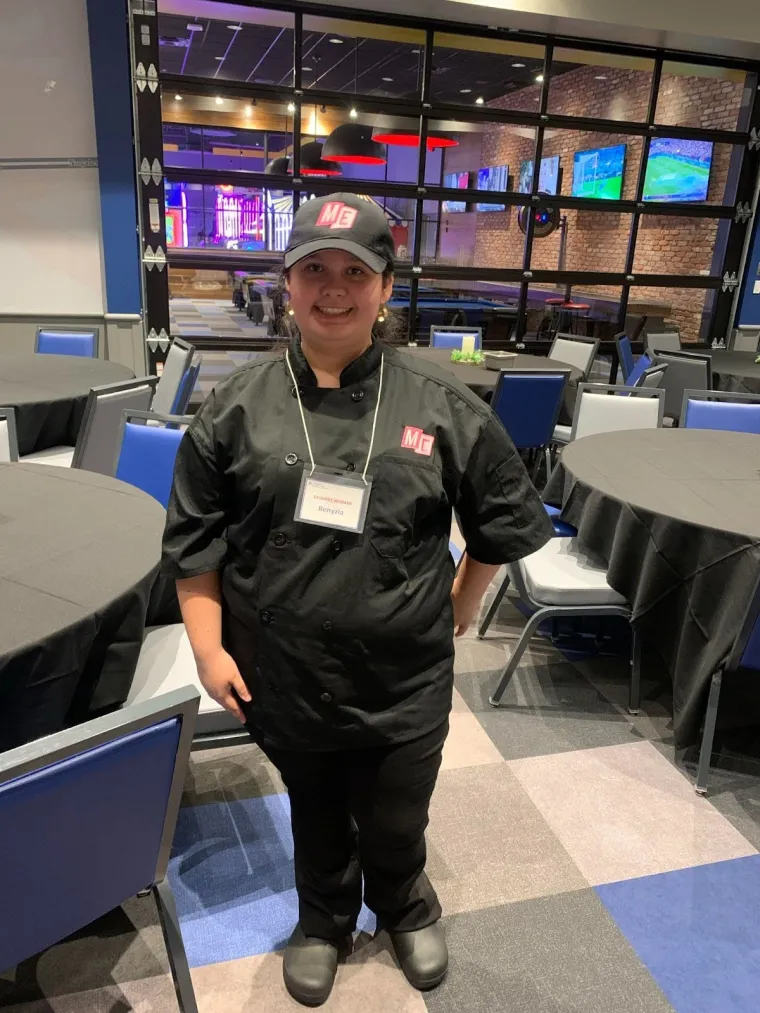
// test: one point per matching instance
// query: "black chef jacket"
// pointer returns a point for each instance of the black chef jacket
(352, 634)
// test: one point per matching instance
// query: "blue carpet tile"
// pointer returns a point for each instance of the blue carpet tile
(698, 933)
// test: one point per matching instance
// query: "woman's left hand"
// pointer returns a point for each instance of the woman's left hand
(466, 608)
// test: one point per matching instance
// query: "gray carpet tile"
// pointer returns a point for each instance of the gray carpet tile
(229, 773)
(558, 954)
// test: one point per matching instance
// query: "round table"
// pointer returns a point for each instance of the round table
(482, 381)
(735, 372)
(79, 557)
(674, 514)
(49, 393)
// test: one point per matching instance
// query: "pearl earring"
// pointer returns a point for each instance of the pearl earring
(291, 312)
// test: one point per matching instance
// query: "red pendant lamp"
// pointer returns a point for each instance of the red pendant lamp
(312, 163)
(411, 139)
(352, 143)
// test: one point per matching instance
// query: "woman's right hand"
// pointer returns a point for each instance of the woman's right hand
(219, 676)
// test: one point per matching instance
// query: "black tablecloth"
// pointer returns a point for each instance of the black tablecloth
(482, 381)
(675, 516)
(79, 556)
(735, 372)
(49, 393)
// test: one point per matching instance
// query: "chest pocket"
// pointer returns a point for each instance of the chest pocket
(407, 502)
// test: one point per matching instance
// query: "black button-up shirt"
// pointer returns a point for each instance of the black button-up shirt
(350, 634)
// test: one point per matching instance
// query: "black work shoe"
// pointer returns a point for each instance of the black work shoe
(309, 968)
(423, 955)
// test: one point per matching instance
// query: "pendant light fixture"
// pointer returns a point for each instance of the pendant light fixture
(312, 163)
(353, 143)
(411, 139)
(278, 166)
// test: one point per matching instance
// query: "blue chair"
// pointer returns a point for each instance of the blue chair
(745, 654)
(72, 341)
(528, 405)
(451, 337)
(644, 363)
(561, 528)
(625, 355)
(187, 386)
(147, 452)
(88, 817)
(734, 413)
(178, 360)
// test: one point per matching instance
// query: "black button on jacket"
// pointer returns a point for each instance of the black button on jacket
(387, 662)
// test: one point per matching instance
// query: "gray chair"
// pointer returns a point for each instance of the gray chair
(99, 434)
(169, 388)
(597, 412)
(669, 341)
(8, 439)
(575, 351)
(746, 339)
(686, 371)
(88, 817)
(652, 378)
(558, 581)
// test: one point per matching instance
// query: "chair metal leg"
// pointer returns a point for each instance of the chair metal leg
(530, 627)
(548, 463)
(167, 913)
(498, 598)
(708, 735)
(536, 466)
(634, 700)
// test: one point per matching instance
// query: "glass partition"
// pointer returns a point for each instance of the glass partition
(606, 86)
(472, 71)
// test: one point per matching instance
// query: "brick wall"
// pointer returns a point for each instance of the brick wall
(597, 241)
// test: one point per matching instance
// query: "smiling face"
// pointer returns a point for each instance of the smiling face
(336, 298)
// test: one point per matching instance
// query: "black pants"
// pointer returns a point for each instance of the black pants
(362, 811)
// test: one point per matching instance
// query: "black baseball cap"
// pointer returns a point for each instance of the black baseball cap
(342, 221)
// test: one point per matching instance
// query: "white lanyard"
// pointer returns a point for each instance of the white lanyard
(303, 417)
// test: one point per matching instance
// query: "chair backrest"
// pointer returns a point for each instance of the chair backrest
(451, 337)
(597, 412)
(651, 377)
(575, 351)
(625, 355)
(735, 413)
(643, 363)
(68, 341)
(185, 392)
(147, 452)
(177, 363)
(88, 817)
(8, 438)
(528, 404)
(686, 371)
(746, 339)
(746, 649)
(98, 439)
(669, 341)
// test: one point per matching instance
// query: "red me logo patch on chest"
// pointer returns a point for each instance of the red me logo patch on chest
(414, 439)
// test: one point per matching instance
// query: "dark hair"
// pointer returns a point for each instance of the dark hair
(391, 331)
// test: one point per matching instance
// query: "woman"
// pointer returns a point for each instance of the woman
(308, 534)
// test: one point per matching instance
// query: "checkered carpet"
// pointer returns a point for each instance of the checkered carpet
(578, 870)
(201, 318)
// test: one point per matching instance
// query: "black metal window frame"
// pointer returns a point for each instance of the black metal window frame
(731, 235)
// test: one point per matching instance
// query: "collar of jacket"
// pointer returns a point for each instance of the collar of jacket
(356, 371)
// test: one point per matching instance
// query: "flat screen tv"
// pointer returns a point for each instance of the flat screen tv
(493, 177)
(598, 173)
(548, 176)
(678, 170)
(455, 181)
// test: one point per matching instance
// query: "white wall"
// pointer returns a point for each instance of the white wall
(51, 259)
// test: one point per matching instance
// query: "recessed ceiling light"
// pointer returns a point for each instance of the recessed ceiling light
(415, 50)
(307, 70)
(600, 77)
(539, 78)
(219, 100)
(247, 111)
(465, 91)
(387, 79)
(353, 114)
(177, 98)
(235, 28)
(220, 58)
(518, 64)
(291, 107)
(195, 28)
(337, 42)
(479, 101)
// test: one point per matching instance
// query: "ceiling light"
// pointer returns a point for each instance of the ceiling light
(353, 114)
(539, 78)
(600, 77)
(219, 100)
(220, 58)
(337, 42)
(465, 91)
(479, 101)
(411, 139)
(248, 111)
(177, 98)
(195, 28)
(291, 107)
(307, 70)
(352, 142)
(235, 28)
(518, 64)
(415, 50)
(387, 79)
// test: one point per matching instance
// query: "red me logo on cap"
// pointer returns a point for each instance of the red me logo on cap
(337, 215)
(414, 439)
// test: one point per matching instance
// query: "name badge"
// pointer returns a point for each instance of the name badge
(333, 499)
